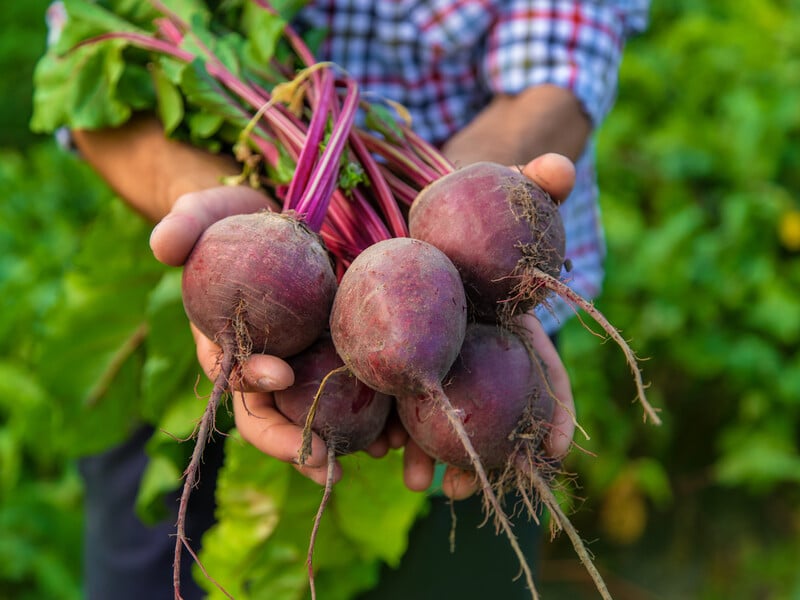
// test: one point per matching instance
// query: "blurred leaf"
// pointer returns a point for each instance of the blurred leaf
(266, 511)
(757, 460)
(373, 506)
(92, 357)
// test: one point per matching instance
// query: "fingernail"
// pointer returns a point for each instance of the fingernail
(266, 383)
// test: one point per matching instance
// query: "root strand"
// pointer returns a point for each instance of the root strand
(565, 292)
(204, 432)
(318, 518)
(547, 497)
(454, 417)
(305, 448)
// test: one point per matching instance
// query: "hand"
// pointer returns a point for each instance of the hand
(256, 417)
(261, 424)
(556, 175)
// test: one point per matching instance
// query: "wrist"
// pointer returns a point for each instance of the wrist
(512, 129)
(148, 170)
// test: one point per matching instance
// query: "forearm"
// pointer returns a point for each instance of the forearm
(514, 129)
(148, 170)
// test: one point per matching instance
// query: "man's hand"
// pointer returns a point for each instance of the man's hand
(257, 419)
(556, 175)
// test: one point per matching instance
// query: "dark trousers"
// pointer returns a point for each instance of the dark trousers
(482, 564)
(125, 559)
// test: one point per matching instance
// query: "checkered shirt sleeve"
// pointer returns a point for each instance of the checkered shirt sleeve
(573, 44)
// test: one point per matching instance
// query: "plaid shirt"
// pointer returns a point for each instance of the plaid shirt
(445, 59)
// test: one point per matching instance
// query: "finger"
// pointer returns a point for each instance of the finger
(395, 432)
(459, 484)
(266, 373)
(264, 427)
(208, 353)
(175, 235)
(555, 174)
(417, 468)
(559, 439)
(379, 448)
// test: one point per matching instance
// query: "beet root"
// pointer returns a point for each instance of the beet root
(399, 316)
(506, 237)
(496, 225)
(398, 322)
(500, 386)
(349, 415)
(262, 280)
(342, 410)
(259, 282)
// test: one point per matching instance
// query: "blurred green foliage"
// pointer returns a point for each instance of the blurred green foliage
(699, 167)
(22, 42)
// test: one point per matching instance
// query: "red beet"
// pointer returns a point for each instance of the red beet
(261, 281)
(506, 237)
(349, 415)
(399, 316)
(500, 385)
(345, 413)
(497, 226)
(398, 322)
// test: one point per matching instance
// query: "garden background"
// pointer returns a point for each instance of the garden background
(699, 168)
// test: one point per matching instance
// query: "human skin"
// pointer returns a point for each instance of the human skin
(178, 187)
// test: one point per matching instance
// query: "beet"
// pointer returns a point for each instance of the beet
(398, 322)
(349, 416)
(506, 237)
(259, 282)
(497, 226)
(262, 281)
(500, 386)
(343, 411)
(399, 316)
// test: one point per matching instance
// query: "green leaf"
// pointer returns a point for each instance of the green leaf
(205, 92)
(93, 85)
(88, 19)
(384, 120)
(169, 450)
(170, 101)
(263, 30)
(759, 461)
(160, 477)
(252, 491)
(205, 125)
(79, 90)
(266, 509)
(374, 508)
(171, 367)
(206, 46)
(91, 360)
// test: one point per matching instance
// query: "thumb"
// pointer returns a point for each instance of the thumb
(174, 237)
(554, 173)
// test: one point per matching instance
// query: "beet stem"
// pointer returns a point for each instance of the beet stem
(565, 292)
(454, 416)
(318, 518)
(204, 432)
